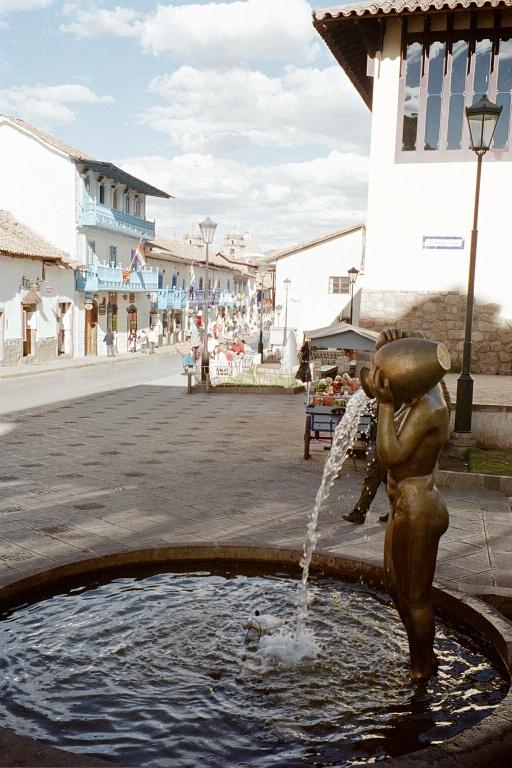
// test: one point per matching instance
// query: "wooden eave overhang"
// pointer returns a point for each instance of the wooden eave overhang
(354, 32)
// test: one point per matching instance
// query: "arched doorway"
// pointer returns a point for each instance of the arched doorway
(91, 328)
(131, 318)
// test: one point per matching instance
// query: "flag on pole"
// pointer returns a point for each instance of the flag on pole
(139, 257)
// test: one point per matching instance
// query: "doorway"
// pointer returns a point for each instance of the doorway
(29, 329)
(131, 318)
(91, 329)
(63, 340)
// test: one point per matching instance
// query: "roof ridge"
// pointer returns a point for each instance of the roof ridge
(68, 149)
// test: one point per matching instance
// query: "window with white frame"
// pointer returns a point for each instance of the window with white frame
(137, 206)
(112, 255)
(126, 202)
(444, 71)
(102, 194)
(339, 284)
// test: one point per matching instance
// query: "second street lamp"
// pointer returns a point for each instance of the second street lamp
(482, 118)
(287, 284)
(207, 228)
(352, 276)
(263, 271)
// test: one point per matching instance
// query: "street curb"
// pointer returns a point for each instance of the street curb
(34, 370)
(470, 481)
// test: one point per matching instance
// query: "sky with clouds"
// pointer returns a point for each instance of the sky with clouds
(236, 108)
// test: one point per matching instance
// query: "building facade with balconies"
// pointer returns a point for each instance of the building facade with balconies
(92, 210)
(181, 265)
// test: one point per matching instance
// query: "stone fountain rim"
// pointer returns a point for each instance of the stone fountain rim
(487, 743)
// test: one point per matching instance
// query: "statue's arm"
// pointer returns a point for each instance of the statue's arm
(392, 449)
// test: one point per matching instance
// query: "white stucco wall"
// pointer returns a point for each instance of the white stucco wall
(408, 200)
(57, 287)
(37, 185)
(310, 305)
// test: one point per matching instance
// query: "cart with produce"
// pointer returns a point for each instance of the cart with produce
(326, 402)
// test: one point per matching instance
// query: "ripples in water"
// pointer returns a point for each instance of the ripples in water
(161, 671)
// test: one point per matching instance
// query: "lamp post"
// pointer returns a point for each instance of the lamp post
(287, 284)
(482, 118)
(352, 276)
(263, 271)
(207, 228)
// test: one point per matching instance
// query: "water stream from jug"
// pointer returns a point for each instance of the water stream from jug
(343, 439)
(294, 642)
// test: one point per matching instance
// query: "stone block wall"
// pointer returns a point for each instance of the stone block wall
(442, 316)
(46, 349)
(13, 351)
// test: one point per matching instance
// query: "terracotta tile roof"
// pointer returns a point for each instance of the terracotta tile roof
(18, 240)
(403, 6)
(73, 152)
(301, 246)
(347, 29)
(166, 248)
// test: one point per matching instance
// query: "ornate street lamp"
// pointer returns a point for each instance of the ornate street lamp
(482, 118)
(263, 271)
(286, 284)
(207, 228)
(352, 276)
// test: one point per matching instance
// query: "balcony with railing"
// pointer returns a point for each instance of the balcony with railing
(101, 216)
(103, 277)
(172, 298)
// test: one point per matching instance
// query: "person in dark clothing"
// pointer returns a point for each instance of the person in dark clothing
(109, 341)
(375, 475)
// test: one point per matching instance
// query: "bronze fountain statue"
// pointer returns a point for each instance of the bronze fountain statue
(407, 370)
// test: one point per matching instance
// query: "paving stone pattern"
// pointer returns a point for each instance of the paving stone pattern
(152, 466)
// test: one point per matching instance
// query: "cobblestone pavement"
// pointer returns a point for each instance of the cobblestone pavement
(151, 466)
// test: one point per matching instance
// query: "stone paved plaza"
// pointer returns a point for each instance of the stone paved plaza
(150, 466)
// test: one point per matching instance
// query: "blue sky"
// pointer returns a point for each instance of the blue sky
(237, 108)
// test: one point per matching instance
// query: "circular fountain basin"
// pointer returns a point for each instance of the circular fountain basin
(179, 663)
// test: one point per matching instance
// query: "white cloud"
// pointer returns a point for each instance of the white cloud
(48, 103)
(222, 32)
(10, 6)
(278, 205)
(91, 22)
(221, 112)
(245, 30)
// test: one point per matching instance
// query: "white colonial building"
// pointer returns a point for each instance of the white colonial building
(417, 65)
(37, 287)
(93, 211)
(319, 291)
(181, 264)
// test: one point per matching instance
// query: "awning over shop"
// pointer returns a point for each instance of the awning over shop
(343, 336)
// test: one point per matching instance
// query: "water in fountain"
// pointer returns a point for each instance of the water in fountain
(292, 645)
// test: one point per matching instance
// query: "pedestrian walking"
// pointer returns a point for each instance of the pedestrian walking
(143, 341)
(152, 340)
(132, 341)
(109, 340)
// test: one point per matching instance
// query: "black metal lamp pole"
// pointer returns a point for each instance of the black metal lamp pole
(263, 271)
(207, 228)
(482, 119)
(352, 276)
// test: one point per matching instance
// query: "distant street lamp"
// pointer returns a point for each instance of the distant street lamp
(482, 118)
(263, 271)
(287, 284)
(352, 276)
(207, 228)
